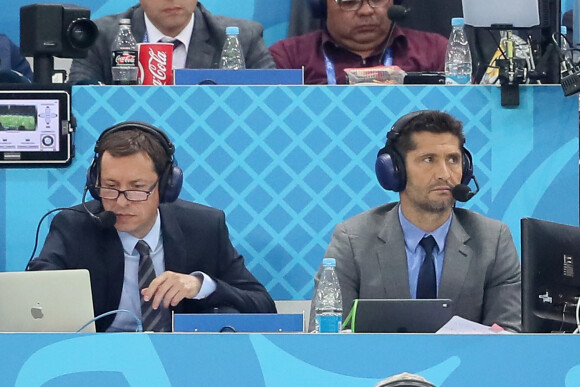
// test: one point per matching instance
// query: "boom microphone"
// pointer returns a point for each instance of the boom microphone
(397, 13)
(105, 219)
(463, 193)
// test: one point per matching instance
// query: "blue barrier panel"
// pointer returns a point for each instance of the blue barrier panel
(287, 163)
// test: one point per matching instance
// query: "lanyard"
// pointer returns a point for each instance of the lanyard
(331, 72)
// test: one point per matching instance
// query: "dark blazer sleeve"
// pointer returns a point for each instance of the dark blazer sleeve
(76, 241)
(196, 238)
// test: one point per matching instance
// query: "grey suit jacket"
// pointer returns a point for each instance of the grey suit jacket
(207, 40)
(481, 269)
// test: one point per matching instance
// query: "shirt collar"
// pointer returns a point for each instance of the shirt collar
(414, 234)
(184, 36)
(152, 238)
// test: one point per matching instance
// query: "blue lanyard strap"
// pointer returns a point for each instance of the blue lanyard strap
(331, 72)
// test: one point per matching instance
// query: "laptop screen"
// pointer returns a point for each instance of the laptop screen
(46, 301)
(400, 315)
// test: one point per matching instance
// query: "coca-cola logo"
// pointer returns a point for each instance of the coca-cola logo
(158, 66)
(125, 59)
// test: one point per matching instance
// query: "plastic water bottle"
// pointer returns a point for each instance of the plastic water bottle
(124, 55)
(232, 55)
(458, 55)
(565, 51)
(328, 302)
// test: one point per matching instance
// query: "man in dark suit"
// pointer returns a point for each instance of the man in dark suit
(201, 34)
(197, 269)
(380, 253)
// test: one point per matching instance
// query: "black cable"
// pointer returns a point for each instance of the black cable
(38, 229)
(139, 323)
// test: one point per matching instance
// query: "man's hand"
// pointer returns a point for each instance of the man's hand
(170, 288)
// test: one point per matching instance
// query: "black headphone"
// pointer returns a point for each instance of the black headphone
(170, 180)
(390, 164)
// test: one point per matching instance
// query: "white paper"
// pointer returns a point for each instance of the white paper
(460, 326)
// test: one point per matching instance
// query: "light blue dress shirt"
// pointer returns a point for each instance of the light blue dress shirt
(416, 254)
(130, 295)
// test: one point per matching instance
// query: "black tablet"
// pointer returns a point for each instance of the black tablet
(35, 127)
(400, 315)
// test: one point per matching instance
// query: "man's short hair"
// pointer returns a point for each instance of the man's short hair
(433, 121)
(131, 141)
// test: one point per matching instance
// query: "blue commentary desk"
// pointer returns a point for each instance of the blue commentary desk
(227, 359)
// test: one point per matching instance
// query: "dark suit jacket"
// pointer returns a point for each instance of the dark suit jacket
(12, 59)
(207, 40)
(481, 270)
(195, 237)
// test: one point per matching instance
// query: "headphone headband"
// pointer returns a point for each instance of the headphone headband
(170, 180)
(390, 164)
(143, 126)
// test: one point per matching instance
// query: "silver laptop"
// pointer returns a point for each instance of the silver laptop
(46, 301)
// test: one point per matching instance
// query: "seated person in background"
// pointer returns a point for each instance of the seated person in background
(358, 34)
(196, 267)
(12, 60)
(380, 254)
(201, 34)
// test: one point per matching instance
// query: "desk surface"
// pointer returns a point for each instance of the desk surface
(132, 359)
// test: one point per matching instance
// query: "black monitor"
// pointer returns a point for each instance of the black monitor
(36, 126)
(550, 276)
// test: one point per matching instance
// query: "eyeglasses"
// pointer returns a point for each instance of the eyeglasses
(355, 5)
(132, 195)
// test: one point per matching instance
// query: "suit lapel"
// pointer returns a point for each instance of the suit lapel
(112, 253)
(457, 260)
(393, 263)
(138, 24)
(173, 249)
(201, 52)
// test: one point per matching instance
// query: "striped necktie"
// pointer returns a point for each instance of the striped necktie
(151, 318)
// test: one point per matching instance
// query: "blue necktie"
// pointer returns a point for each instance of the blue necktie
(151, 318)
(427, 283)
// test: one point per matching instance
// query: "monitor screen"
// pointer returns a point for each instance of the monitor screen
(550, 279)
(34, 127)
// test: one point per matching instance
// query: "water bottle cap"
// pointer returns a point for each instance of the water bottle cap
(232, 30)
(563, 30)
(329, 262)
(457, 21)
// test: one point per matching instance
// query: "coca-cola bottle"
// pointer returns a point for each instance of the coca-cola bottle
(124, 56)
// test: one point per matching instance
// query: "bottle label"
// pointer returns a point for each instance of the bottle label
(329, 323)
(124, 58)
(458, 79)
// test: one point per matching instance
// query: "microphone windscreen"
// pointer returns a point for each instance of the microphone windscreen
(461, 192)
(107, 218)
(397, 13)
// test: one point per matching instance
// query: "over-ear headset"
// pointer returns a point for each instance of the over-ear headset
(170, 180)
(390, 164)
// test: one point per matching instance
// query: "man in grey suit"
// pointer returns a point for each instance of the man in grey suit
(380, 253)
(201, 34)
